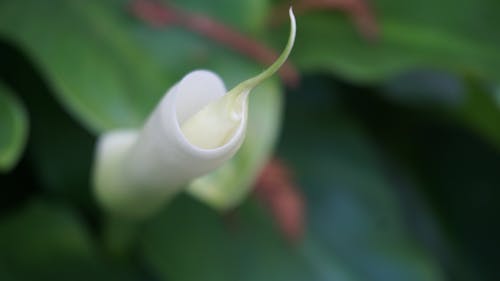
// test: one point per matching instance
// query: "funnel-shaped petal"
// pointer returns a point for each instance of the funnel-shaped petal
(195, 128)
(136, 171)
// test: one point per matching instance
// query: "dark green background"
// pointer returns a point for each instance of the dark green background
(394, 142)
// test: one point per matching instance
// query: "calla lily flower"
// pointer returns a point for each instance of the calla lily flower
(196, 127)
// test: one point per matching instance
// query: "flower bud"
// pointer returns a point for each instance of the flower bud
(195, 128)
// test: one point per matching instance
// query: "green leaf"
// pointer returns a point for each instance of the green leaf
(108, 68)
(190, 242)
(94, 66)
(45, 241)
(355, 229)
(456, 36)
(481, 112)
(354, 210)
(13, 129)
(459, 172)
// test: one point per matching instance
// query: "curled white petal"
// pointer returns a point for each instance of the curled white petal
(195, 128)
(136, 171)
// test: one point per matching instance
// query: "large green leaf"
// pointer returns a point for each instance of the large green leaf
(108, 68)
(191, 242)
(95, 68)
(453, 168)
(457, 36)
(13, 129)
(354, 208)
(460, 172)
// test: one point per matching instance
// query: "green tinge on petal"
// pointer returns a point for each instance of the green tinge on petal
(227, 186)
(212, 126)
(254, 81)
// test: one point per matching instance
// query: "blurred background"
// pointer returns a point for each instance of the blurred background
(386, 165)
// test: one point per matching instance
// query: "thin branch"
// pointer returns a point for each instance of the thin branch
(161, 15)
(277, 190)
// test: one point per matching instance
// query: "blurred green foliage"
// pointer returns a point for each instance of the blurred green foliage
(395, 143)
(13, 125)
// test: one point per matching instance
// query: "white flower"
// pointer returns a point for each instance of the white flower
(195, 129)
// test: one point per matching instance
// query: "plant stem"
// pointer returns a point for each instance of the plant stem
(160, 15)
(278, 191)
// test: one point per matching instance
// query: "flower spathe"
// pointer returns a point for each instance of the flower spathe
(196, 127)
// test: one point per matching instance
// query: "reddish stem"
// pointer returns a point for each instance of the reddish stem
(159, 15)
(277, 190)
